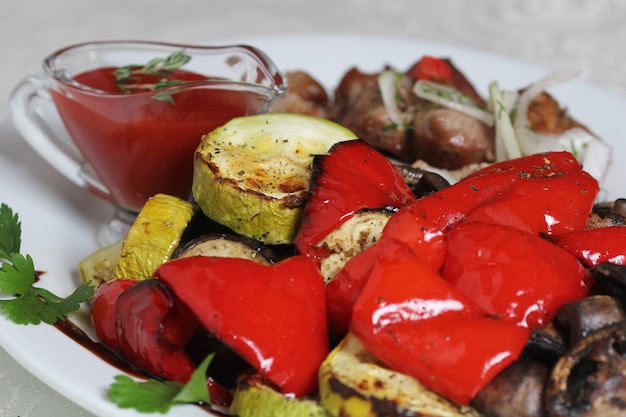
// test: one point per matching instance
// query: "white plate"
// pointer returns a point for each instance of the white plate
(59, 220)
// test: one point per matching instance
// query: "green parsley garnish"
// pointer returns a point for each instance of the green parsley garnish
(126, 76)
(10, 232)
(21, 301)
(154, 396)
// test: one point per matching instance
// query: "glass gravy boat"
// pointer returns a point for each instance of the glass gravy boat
(127, 146)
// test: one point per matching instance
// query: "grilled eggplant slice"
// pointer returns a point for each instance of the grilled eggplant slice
(353, 236)
(226, 245)
(252, 174)
(353, 383)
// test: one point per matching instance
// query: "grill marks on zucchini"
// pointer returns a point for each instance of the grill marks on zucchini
(252, 174)
(354, 383)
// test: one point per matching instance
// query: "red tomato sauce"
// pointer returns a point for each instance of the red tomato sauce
(137, 145)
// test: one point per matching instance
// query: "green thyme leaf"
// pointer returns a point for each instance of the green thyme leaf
(167, 95)
(160, 65)
(126, 76)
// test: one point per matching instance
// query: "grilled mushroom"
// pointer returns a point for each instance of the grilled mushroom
(608, 214)
(580, 318)
(610, 279)
(590, 380)
(516, 391)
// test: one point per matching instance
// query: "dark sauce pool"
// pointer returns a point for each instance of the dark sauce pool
(74, 332)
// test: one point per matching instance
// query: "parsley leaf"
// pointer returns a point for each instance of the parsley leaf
(10, 232)
(147, 397)
(25, 303)
(154, 396)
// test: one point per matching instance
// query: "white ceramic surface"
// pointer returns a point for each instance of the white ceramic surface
(58, 219)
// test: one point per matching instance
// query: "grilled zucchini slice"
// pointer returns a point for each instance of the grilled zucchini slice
(252, 174)
(254, 398)
(154, 236)
(353, 383)
(98, 266)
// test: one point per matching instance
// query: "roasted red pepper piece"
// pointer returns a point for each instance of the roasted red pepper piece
(509, 192)
(541, 165)
(103, 311)
(432, 69)
(351, 177)
(154, 327)
(551, 205)
(594, 246)
(344, 289)
(272, 316)
(512, 274)
(419, 226)
(169, 362)
(417, 323)
(443, 71)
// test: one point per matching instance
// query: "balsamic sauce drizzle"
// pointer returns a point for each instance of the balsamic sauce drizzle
(78, 335)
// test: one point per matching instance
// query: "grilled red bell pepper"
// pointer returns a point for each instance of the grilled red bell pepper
(417, 323)
(272, 316)
(594, 246)
(502, 193)
(419, 226)
(512, 185)
(153, 330)
(432, 69)
(550, 205)
(542, 165)
(512, 274)
(351, 177)
(443, 71)
(154, 327)
(500, 280)
(102, 311)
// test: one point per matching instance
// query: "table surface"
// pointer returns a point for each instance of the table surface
(586, 35)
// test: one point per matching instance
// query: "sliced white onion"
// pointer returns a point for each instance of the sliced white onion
(452, 98)
(596, 158)
(502, 103)
(588, 149)
(521, 111)
(388, 85)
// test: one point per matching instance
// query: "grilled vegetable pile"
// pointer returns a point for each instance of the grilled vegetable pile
(373, 298)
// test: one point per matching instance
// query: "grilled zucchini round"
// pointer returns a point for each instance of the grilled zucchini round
(252, 174)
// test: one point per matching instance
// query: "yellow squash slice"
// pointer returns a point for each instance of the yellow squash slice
(98, 266)
(154, 236)
(252, 174)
